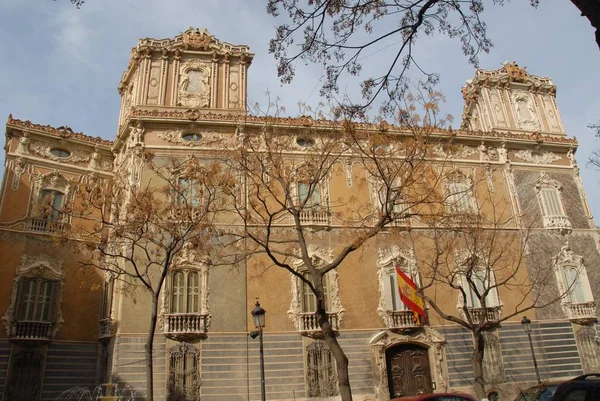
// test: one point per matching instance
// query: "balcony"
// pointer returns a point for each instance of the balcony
(315, 216)
(106, 329)
(309, 323)
(30, 332)
(560, 223)
(185, 326)
(46, 225)
(582, 313)
(481, 316)
(401, 320)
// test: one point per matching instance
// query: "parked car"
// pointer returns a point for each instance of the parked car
(539, 392)
(581, 388)
(437, 397)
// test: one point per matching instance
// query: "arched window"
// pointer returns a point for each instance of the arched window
(53, 202)
(37, 300)
(189, 192)
(549, 196)
(309, 301)
(460, 198)
(185, 292)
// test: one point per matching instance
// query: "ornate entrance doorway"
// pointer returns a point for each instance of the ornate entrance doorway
(408, 370)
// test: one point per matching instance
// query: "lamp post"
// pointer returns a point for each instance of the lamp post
(527, 327)
(258, 314)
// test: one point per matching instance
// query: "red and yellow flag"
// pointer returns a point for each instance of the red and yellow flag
(408, 294)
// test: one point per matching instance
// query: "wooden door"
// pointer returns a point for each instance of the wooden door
(408, 370)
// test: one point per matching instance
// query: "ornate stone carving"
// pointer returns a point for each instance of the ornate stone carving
(43, 149)
(588, 344)
(320, 256)
(537, 157)
(348, 172)
(487, 153)
(24, 142)
(525, 110)
(452, 151)
(42, 266)
(18, 166)
(493, 366)
(387, 258)
(427, 337)
(194, 87)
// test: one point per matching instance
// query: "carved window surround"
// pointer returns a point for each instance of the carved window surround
(387, 259)
(460, 193)
(35, 266)
(426, 337)
(549, 194)
(314, 215)
(483, 279)
(186, 326)
(307, 323)
(53, 181)
(578, 300)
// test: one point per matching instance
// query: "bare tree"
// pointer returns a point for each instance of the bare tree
(286, 166)
(135, 232)
(341, 34)
(595, 156)
(477, 253)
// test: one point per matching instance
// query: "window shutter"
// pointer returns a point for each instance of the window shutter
(193, 293)
(54, 295)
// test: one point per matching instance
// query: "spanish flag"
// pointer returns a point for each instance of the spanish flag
(408, 294)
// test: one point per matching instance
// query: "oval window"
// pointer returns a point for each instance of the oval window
(305, 142)
(191, 137)
(60, 152)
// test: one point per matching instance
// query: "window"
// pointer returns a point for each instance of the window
(189, 193)
(549, 196)
(305, 142)
(191, 137)
(312, 199)
(60, 153)
(321, 373)
(480, 281)
(309, 301)
(53, 204)
(393, 301)
(573, 284)
(37, 300)
(185, 292)
(386, 195)
(184, 378)
(460, 198)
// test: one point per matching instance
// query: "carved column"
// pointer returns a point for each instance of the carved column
(588, 345)
(226, 80)
(175, 80)
(145, 76)
(215, 81)
(164, 65)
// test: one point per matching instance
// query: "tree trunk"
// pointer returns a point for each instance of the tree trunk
(341, 360)
(477, 362)
(590, 9)
(148, 347)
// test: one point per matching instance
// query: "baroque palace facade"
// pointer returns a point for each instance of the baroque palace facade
(65, 326)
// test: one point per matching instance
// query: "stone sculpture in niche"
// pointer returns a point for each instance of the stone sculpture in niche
(525, 112)
(194, 87)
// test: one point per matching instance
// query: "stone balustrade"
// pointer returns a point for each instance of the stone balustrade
(581, 312)
(180, 325)
(31, 331)
(404, 319)
(45, 225)
(490, 314)
(561, 223)
(314, 216)
(309, 322)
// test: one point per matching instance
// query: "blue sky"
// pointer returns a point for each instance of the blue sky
(61, 66)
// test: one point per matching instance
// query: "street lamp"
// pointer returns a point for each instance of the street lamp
(258, 314)
(527, 327)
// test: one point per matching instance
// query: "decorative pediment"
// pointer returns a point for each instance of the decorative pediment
(194, 84)
(566, 257)
(544, 181)
(319, 256)
(195, 39)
